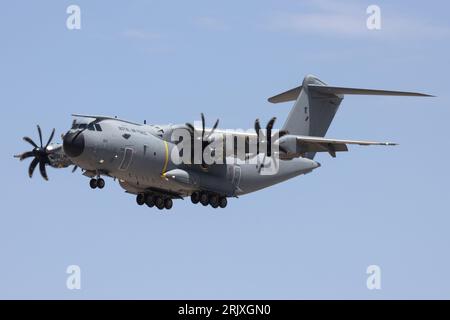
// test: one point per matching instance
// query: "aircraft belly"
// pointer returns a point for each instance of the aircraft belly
(252, 180)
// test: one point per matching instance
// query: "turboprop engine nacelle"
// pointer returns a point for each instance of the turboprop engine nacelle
(289, 148)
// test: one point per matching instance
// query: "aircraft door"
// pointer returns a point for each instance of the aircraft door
(127, 157)
(236, 176)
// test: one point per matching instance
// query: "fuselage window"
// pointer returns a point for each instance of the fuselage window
(98, 127)
(82, 126)
(91, 127)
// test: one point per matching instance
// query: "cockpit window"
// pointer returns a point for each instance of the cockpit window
(89, 126)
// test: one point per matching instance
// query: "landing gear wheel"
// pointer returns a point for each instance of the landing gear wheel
(93, 183)
(204, 199)
(168, 203)
(214, 201)
(195, 197)
(223, 202)
(159, 203)
(149, 201)
(140, 199)
(100, 183)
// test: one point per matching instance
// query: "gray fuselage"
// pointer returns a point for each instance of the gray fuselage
(140, 156)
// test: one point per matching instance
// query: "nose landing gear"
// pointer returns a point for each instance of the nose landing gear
(97, 183)
(100, 183)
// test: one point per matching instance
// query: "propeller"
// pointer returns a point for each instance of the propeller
(266, 137)
(40, 154)
(205, 140)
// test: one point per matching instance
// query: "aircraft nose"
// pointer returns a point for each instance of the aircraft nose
(73, 144)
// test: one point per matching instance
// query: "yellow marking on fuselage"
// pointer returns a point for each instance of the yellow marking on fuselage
(166, 160)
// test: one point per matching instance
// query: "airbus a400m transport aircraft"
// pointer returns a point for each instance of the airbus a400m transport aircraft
(150, 164)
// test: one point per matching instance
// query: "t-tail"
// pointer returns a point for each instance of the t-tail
(317, 103)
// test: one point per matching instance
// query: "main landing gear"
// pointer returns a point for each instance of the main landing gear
(154, 201)
(97, 183)
(213, 199)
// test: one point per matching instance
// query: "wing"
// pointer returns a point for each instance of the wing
(293, 146)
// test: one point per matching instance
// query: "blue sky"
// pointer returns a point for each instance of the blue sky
(167, 61)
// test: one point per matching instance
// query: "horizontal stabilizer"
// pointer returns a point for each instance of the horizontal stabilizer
(293, 94)
(308, 139)
(293, 146)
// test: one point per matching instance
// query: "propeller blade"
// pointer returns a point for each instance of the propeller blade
(270, 124)
(32, 166)
(213, 128)
(203, 125)
(269, 135)
(190, 127)
(27, 139)
(40, 134)
(42, 170)
(258, 131)
(50, 139)
(25, 155)
(261, 165)
(257, 127)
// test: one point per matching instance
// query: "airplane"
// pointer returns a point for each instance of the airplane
(145, 159)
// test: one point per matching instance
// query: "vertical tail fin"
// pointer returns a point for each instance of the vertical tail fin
(313, 110)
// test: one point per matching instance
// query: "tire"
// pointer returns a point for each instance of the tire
(168, 203)
(93, 183)
(150, 201)
(195, 197)
(214, 201)
(140, 199)
(223, 202)
(159, 203)
(204, 199)
(100, 183)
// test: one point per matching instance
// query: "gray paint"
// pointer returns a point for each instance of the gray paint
(138, 155)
